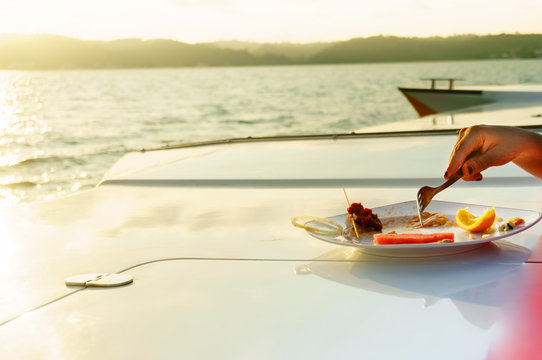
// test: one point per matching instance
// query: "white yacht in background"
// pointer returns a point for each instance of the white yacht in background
(188, 252)
(434, 100)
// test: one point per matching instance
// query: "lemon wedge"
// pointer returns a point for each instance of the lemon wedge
(467, 221)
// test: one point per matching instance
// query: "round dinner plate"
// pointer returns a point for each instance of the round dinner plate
(395, 217)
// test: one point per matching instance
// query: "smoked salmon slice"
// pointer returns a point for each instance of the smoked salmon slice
(392, 239)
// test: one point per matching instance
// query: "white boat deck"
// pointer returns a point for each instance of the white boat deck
(529, 116)
(219, 271)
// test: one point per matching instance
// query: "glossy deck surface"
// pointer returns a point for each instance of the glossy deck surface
(219, 271)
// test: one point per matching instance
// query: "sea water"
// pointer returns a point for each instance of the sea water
(60, 131)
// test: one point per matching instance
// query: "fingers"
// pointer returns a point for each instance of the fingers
(467, 143)
(479, 161)
(482, 146)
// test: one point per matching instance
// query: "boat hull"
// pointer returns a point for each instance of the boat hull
(435, 101)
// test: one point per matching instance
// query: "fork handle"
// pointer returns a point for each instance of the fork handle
(458, 175)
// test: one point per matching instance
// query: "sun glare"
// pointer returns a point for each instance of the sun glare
(19, 127)
(280, 20)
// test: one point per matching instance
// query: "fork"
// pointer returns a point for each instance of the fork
(426, 193)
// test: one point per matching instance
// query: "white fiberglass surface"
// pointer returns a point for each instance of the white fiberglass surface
(277, 310)
(523, 114)
(385, 159)
(115, 227)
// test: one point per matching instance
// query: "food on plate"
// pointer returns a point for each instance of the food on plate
(366, 222)
(321, 225)
(511, 224)
(364, 218)
(467, 221)
(411, 238)
(429, 220)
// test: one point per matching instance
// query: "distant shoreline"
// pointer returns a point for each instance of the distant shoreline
(68, 69)
(51, 52)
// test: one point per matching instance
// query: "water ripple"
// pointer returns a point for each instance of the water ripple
(60, 131)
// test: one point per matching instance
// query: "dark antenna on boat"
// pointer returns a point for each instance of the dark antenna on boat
(434, 80)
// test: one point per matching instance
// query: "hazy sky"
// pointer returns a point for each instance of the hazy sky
(270, 21)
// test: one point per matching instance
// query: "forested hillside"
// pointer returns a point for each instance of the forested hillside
(56, 52)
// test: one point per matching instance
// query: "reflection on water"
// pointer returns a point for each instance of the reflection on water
(32, 154)
(20, 130)
(478, 282)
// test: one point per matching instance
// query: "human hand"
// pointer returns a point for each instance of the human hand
(482, 146)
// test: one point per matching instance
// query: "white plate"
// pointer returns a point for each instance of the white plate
(395, 217)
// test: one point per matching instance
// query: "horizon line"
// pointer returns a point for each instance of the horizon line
(269, 42)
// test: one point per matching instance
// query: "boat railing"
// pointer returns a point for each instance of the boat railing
(434, 81)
